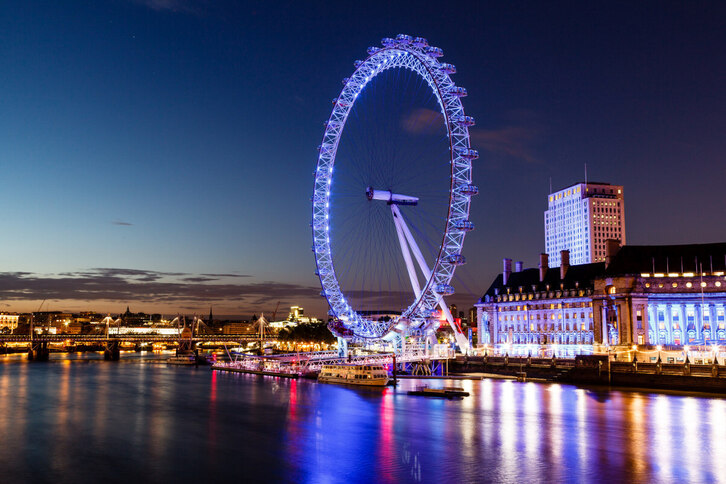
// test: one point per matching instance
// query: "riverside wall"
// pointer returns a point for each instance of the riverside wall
(598, 370)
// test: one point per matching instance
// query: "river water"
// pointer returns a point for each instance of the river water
(80, 420)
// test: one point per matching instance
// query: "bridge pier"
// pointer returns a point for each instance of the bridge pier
(38, 351)
(186, 346)
(342, 347)
(111, 351)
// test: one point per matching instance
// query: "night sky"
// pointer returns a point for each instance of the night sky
(159, 153)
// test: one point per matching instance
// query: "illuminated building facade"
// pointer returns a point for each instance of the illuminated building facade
(539, 306)
(580, 218)
(640, 295)
(9, 321)
(662, 295)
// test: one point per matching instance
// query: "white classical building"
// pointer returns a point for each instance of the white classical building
(539, 306)
(668, 295)
(580, 218)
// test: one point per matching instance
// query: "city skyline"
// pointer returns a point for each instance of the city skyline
(160, 154)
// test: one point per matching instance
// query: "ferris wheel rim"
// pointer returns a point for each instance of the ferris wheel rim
(403, 53)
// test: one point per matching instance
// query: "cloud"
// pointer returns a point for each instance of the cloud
(422, 121)
(511, 141)
(199, 279)
(225, 275)
(112, 284)
(120, 222)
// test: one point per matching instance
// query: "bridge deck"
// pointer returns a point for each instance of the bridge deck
(130, 338)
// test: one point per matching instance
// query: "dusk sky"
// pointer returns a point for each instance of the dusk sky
(159, 153)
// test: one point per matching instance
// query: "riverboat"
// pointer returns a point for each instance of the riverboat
(182, 360)
(353, 374)
(446, 392)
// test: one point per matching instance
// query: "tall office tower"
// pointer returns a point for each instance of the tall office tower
(580, 218)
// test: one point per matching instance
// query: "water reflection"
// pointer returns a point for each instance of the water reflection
(134, 421)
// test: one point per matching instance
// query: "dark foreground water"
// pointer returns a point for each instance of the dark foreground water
(137, 421)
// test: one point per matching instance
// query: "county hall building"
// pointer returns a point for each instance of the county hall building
(591, 290)
(672, 295)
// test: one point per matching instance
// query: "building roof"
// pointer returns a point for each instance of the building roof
(578, 276)
(639, 259)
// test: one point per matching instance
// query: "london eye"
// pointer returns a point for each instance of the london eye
(392, 192)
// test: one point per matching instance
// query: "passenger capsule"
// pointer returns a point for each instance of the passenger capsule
(448, 68)
(322, 294)
(345, 80)
(420, 42)
(388, 42)
(434, 51)
(341, 102)
(467, 153)
(445, 289)
(432, 313)
(464, 120)
(404, 39)
(463, 225)
(468, 190)
(372, 50)
(357, 63)
(458, 91)
(456, 260)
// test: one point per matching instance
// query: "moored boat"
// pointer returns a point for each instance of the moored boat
(446, 392)
(182, 360)
(353, 374)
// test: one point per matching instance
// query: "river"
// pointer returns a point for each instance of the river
(78, 420)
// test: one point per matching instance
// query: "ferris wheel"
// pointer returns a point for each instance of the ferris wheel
(389, 226)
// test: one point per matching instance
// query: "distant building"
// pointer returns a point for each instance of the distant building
(54, 319)
(453, 310)
(296, 313)
(9, 321)
(580, 218)
(644, 295)
(73, 328)
(238, 328)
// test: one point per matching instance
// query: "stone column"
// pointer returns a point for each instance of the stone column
(669, 323)
(480, 324)
(684, 328)
(494, 326)
(653, 316)
(606, 324)
(625, 320)
(712, 321)
(596, 312)
(697, 315)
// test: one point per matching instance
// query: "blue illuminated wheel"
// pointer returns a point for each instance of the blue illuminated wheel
(389, 226)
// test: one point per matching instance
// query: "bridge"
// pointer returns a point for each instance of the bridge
(131, 338)
(39, 344)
